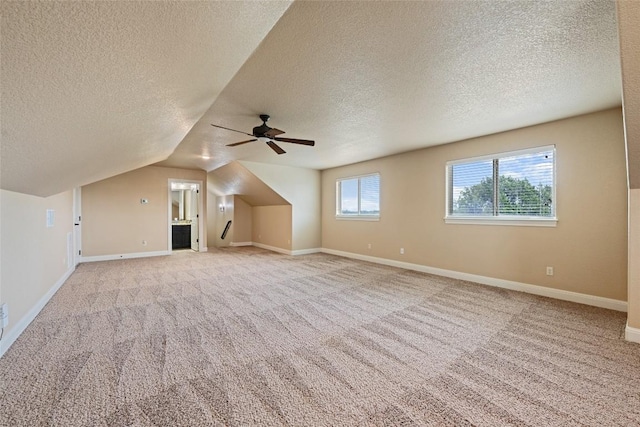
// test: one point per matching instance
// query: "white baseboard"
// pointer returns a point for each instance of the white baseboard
(632, 334)
(13, 334)
(306, 251)
(123, 256)
(592, 300)
(241, 244)
(271, 248)
(285, 251)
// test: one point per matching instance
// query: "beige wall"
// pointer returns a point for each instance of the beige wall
(633, 319)
(242, 190)
(302, 189)
(115, 222)
(34, 257)
(272, 226)
(242, 221)
(212, 214)
(588, 248)
(629, 34)
(222, 218)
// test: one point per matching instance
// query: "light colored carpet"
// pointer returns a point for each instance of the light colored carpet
(244, 336)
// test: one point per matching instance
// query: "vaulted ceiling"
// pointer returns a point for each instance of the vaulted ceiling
(93, 89)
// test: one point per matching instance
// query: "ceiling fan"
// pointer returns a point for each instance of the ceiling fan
(268, 135)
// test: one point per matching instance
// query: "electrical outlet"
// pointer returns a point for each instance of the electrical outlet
(369, 245)
(144, 243)
(549, 271)
(401, 251)
(4, 315)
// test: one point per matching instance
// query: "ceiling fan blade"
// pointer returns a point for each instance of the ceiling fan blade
(275, 147)
(241, 142)
(273, 132)
(297, 141)
(233, 130)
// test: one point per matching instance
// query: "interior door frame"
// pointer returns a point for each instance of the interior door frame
(77, 226)
(201, 247)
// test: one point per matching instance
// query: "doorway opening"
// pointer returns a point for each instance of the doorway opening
(77, 226)
(185, 219)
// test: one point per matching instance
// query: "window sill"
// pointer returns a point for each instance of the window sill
(358, 217)
(521, 222)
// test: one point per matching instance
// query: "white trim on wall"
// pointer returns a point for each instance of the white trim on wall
(280, 250)
(632, 334)
(10, 337)
(77, 225)
(272, 248)
(580, 298)
(123, 256)
(306, 251)
(241, 244)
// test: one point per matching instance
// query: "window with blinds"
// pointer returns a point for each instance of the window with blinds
(510, 185)
(358, 197)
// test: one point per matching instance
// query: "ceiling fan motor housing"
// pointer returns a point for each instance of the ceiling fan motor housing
(260, 131)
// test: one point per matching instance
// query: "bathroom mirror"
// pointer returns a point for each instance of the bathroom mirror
(181, 206)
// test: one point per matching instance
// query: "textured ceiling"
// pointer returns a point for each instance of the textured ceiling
(369, 79)
(93, 89)
(234, 178)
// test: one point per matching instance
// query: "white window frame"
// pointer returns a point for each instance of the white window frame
(356, 217)
(534, 221)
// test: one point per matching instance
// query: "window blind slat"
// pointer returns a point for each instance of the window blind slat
(349, 197)
(359, 196)
(370, 195)
(524, 185)
(472, 188)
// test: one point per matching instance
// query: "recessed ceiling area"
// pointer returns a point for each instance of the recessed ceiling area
(93, 89)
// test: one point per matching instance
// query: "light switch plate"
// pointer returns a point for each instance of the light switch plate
(4, 315)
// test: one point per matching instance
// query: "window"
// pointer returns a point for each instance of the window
(358, 197)
(516, 188)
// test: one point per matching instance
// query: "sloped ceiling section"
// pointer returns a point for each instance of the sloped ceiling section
(235, 179)
(93, 89)
(369, 79)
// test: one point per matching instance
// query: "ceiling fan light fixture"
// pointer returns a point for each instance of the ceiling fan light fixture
(268, 135)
